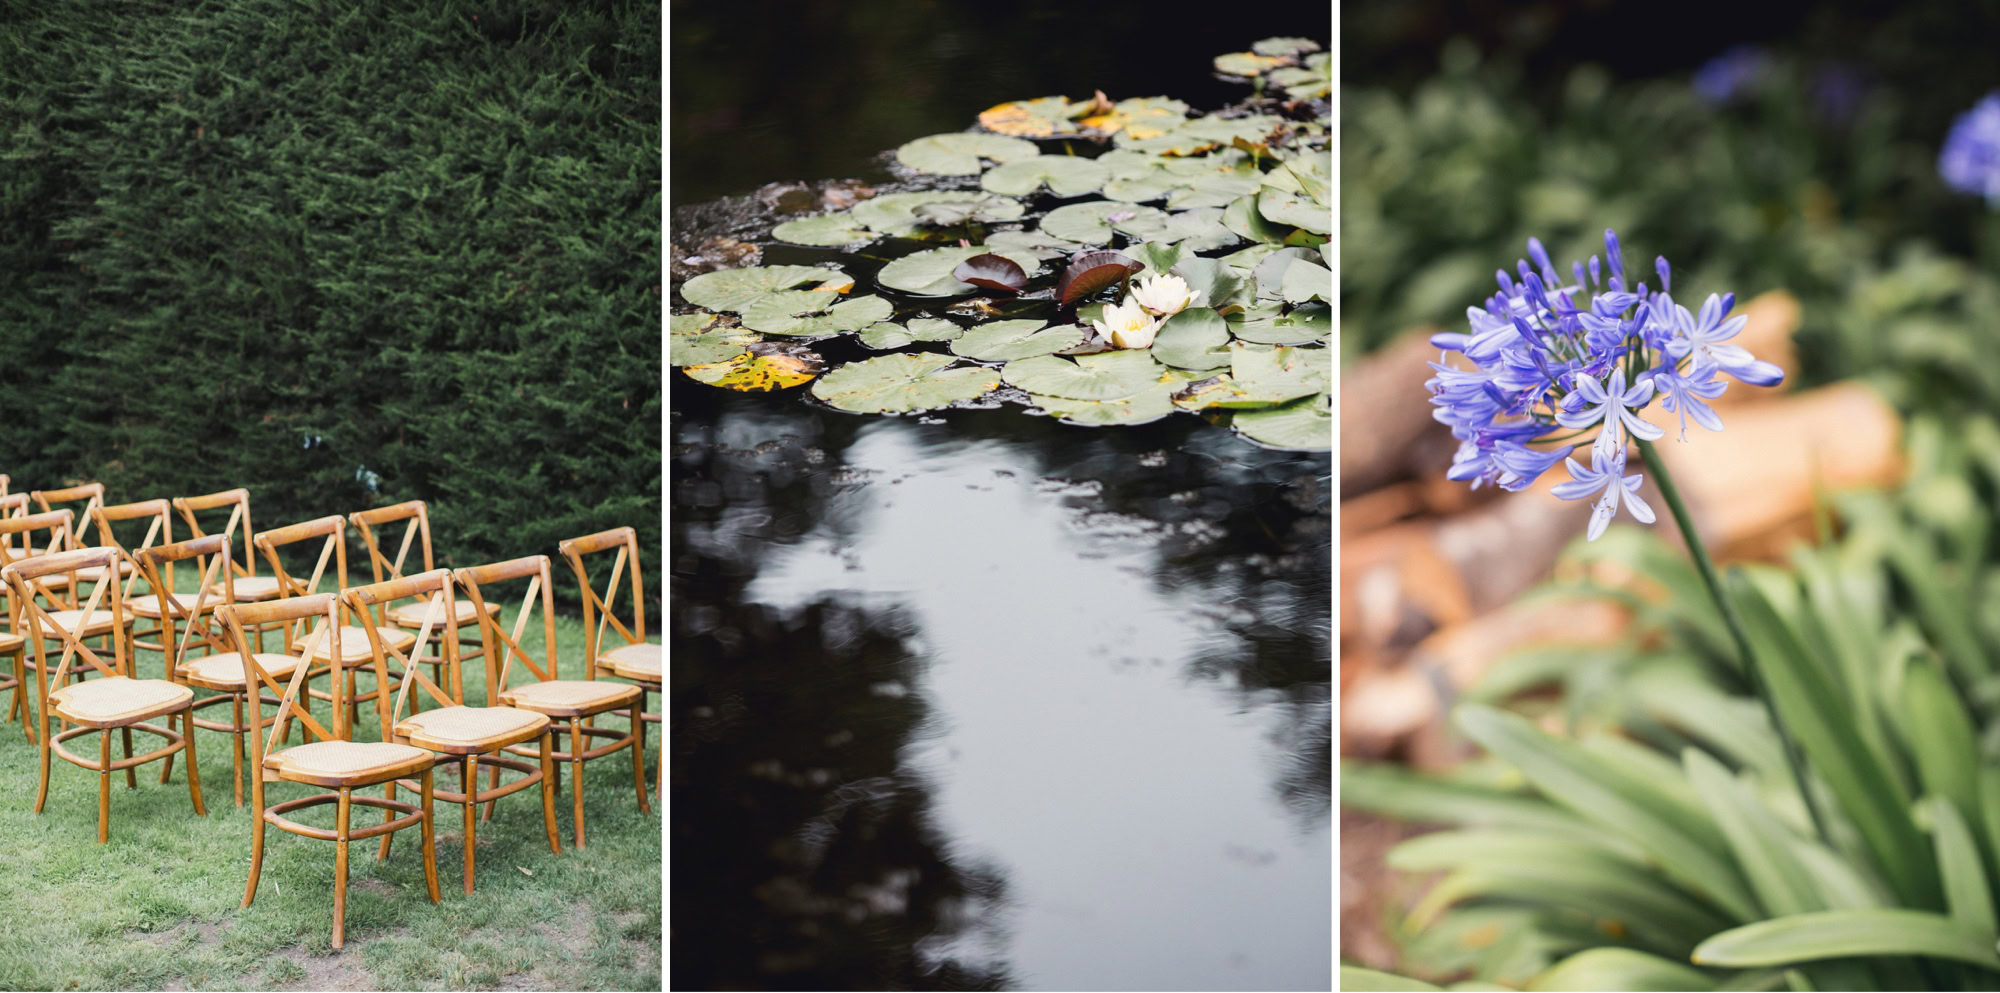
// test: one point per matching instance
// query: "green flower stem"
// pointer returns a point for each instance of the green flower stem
(1706, 566)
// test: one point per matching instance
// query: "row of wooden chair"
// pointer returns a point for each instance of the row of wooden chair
(376, 628)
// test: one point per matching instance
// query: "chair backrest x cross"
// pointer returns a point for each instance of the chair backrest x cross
(502, 648)
(58, 524)
(27, 582)
(90, 496)
(159, 518)
(435, 589)
(211, 554)
(238, 502)
(323, 610)
(332, 548)
(600, 609)
(416, 533)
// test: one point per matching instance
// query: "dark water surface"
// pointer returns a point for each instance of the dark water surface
(982, 700)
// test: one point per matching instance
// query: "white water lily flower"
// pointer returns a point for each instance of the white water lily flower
(1165, 295)
(1127, 325)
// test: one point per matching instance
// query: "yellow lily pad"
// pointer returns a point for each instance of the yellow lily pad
(765, 366)
(1249, 63)
(1140, 117)
(1037, 118)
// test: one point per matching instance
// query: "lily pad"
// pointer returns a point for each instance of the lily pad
(887, 335)
(826, 231)
(1037, 118)
(1221, 286)
(1303, 425)
(1159, 256)
(762, 367)
(1195, 338)
(1312, 322)
(1065, 176)
(897, 213)
(1145, 406)
(804, 314)
(1270, 273)
(1103, 376)
(1213, 190)
(992, 272)
(1276, 373)
(1005, 341)
(734, 289)
(1140, 117)
(1093, 271)
(1313, 81)
(1090, 223)
(1195, 230)
(1285, 46)
(692, 341)
(929, 272)
(1243, 217)
(1249, 64)
(959, 154)
(903, 382)
(1040, 244)
(1202, 134)
(1304, 280)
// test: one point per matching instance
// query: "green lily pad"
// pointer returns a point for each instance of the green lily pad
(929, 272)
(1295, 209)
(1065, 175)
(1090, 222)
(887, 335)
(1220, 285)
(1285, 46)
(700, 320)
(1002, 341)
(1246, 259)
(1313, 81)
(1103, 376)
(1037, 243)
(1303, 425)
(904, 381)
(1213, 190)
(1036, 118)
(1305, 281)
(897, 213)
(1248, 64)
(1195, 338)
(1312, 322)
(1313, 172)
(1270, 272)
(959, 154)
(762, 367)
(1194, 230)
(1201, 135)
(1147, 405)
(1140, 117)
(1276, 373)
(734, 289)
(1243, 217)
(1158, 256)
(691, 340)
(807, 313)
(826, 231)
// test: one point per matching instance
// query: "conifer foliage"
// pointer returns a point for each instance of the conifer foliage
(341, 252)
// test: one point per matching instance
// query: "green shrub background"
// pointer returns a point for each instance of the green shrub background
(288, 244)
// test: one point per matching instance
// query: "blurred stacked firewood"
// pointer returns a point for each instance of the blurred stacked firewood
(1429, 568)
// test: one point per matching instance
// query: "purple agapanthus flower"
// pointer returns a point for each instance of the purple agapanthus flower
(1576, 356)
(1970, 161)
(1726, 76)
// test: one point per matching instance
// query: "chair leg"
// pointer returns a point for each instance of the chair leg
(639, 755)
(193, 773)
(167, 767)
(576, 773)
(131, 772)
(469, 779)
(340, 831)
(103, 786)
(382, 850)
(430, 842)
(492, 783)
(256, 837)
(42, 792)
(236, 755)
(549, 793)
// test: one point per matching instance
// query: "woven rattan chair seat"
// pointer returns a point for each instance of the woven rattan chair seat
(411, 615)
(569, 697)
(117, 699)
(354, 643)
(640, 661)
(91, 573)
(99, 623)
(462, 729)
(149, 605)
(346, 760)
(226, 669)
(10, 642)
(251, 588)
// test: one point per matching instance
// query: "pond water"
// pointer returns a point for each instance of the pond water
(980, 700)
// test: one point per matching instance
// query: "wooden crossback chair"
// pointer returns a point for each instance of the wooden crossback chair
(97, 705)
(335, 761)
(467, 736)
(89, 497)
(159, 518)
(12, 644)
(416, 531)
(630, 656)
(220, 669)
(571, 703)
(245, 585)
(354, 653)
(63, 597)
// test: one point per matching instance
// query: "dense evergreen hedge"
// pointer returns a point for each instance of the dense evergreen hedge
(341, 252)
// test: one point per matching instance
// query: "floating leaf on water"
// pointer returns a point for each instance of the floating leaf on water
(1270, 272)
(804, 313)
(959, 154)
(1092, 271)
(1201, 135)
(1213, 391)
(1243, 217)
(951, 214)
(1285, 46)
(887, 335)
(825, 231)
(734, 289)
(1245, 260)
(1195, 230)
(1220, 285)
(903, 382)
(1275, 373)
(1309, 83)
(1040, 244)
(1295, 209)
(1003, 341)
(1147, 405)
(1037, 118)
(1312, 322)
(1248, 63)
(1158, 256)
(896, 213)
(700, 320)
(993, 272)
(1215, 190)
(1304, 425)
(1140, 117)
(1065, 175)
(762, 367)
(690, 345)
(1091, 222)
(1306, 280)
(1102, 376)
(929, 273)
(1196, 338)
(1313, 172)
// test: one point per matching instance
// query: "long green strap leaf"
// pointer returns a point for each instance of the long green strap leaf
(1964, 874)
(1356, 978)
(1766, 851)
(1620, 969)
(1847, 933)
(1940, 736)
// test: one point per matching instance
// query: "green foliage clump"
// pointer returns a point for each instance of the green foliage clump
(342, 254)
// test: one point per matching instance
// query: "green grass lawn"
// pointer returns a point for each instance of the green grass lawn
(157, 907)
